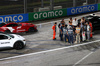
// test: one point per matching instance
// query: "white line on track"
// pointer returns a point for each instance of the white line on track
(47, 51)
(83, 58)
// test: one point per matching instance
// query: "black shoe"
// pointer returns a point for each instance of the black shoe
(54, 39)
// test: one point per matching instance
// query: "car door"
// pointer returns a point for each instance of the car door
(98, 22)
(95, 22)
(20, 28)
(12, 27)
(4, 41)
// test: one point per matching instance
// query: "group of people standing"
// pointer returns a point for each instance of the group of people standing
(73, 31)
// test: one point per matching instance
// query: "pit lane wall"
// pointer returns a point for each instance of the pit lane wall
(98, 6)
(50, 14)
(14, 17)
(47, 14)
(63, 12)
(82, 9)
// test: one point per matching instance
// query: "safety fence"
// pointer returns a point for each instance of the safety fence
(26, 6)
(50, 14)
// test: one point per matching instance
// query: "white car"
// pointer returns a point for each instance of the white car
(12, 41)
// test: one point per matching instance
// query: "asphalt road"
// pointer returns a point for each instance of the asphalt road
(75, 56)
(42, 41)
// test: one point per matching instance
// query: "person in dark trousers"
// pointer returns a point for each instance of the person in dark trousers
(59, 26)
(65, 32)
(61, 32)
(54, 30)
(70, 33)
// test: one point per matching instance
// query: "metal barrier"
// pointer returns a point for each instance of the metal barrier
(26, 6)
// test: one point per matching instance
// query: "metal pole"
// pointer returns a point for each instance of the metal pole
(25, 6)
(74, 3)
(42, 4)
(51, 4)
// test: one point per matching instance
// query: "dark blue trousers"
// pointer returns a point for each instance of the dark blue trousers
(71, 38)
(66, 36)
(61, 37)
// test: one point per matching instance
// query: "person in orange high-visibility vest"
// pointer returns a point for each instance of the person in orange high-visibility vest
(54, 31)
(91, 29)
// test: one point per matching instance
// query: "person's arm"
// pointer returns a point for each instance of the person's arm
(67, 32)
(89, 28)
(75, 31)
(59, 26)
(53, 27)
(61, 31)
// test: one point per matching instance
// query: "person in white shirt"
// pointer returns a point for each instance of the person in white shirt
(88, 31)
(75, 22)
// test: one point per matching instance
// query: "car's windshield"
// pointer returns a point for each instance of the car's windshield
(10, 35)
(2, 24)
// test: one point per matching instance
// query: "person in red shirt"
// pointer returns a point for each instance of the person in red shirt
(90, 24)
(54, 31)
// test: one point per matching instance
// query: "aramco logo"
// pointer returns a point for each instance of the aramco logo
(82, 9)
(48, 14)
(11, 18)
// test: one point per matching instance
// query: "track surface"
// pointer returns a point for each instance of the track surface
(87, 55)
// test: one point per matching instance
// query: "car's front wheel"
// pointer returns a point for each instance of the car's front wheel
(19, 45)
(32, 29)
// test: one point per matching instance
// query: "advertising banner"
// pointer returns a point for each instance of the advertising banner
(82, 9)
(99, 6)
(47, 14)
(14, 17)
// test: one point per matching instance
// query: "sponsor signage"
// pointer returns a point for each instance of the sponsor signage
(82, 9)
(47, 14)
(14, 17)
(99, 6)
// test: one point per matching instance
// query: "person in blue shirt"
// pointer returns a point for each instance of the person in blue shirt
(59, 26)
(65, 32)
(61, 32)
